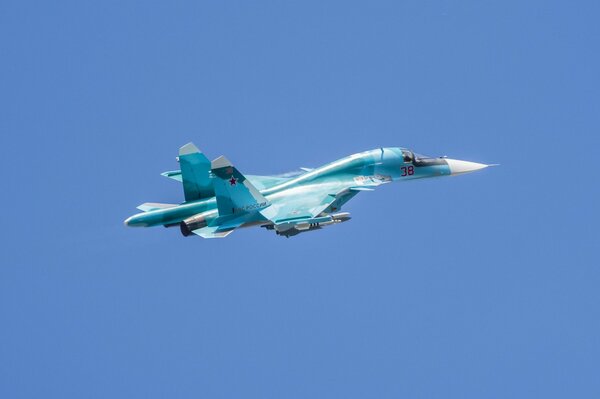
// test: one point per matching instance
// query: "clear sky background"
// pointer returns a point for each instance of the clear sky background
(479, 286)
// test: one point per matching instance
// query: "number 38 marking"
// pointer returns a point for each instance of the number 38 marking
(407, 171)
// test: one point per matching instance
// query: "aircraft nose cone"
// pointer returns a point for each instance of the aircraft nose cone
(458, 167)
(126, 221)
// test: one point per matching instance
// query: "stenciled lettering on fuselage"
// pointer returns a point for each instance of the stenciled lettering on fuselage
(251, 207)
(372, 180)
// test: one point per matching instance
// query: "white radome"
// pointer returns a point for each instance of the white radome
(457, 167)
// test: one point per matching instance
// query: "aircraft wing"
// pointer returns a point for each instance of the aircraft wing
(309, 201)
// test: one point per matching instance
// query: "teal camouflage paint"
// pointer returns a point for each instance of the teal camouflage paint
(219, 199)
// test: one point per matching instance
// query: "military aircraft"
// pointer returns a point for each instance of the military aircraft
(220, 199)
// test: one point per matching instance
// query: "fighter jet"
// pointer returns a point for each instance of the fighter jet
(220, 199)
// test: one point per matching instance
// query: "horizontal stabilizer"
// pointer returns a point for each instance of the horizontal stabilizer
(173, 174)
(152, 206)
(212, 232)
(221, 227)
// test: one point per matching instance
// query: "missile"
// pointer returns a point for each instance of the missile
(292, 228)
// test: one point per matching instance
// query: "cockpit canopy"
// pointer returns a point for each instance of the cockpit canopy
(407, 156)
(421, 160)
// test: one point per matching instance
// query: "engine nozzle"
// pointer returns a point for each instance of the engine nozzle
(193, 223)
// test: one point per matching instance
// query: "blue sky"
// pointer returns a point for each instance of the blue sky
(483, 285)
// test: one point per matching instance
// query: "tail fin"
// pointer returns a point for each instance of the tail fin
(235, 194)
(195, 171)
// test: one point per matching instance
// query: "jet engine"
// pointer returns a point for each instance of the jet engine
(192, 223)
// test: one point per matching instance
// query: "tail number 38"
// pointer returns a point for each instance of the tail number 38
(407, 171)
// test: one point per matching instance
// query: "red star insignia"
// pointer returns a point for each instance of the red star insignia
(233, 181)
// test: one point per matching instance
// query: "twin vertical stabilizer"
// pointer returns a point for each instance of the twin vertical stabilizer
(237, 199)
(202, 179)
(235, 194)
(195, 173)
